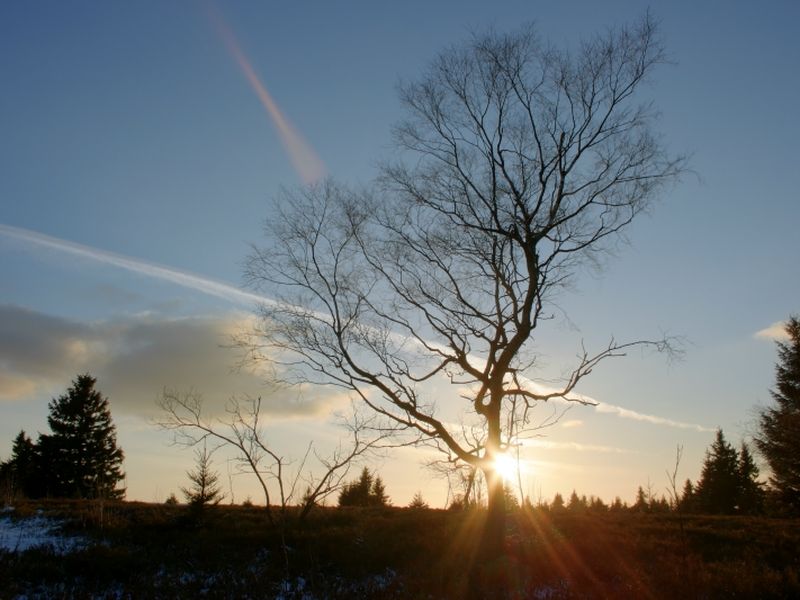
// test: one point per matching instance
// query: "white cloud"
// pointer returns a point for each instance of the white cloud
(775, 332)
(572, 423)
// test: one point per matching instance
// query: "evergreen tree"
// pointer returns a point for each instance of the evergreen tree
(687, 501)
(597, 505)
(418, 501)
(558, 502)
(367, 490)
(205, 489)
(378, 495)
(717, 491)
(576, 503)
(751, 495)
(80, 458)
(20, 472)
(642, 504)
(778, 439)
(659, 505)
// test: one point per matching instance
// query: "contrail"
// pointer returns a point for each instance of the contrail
(625, 413)
(304, 160)
(182, 278)
(611, 409)
(241, 297)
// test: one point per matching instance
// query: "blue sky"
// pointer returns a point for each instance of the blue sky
(128, 129)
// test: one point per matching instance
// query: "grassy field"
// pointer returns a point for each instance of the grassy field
(140, 550)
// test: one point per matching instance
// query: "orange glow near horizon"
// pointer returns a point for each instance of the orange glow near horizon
(305, 161)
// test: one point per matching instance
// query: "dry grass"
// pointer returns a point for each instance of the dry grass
(157, 551)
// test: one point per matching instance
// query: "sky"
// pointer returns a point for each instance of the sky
(140, 144)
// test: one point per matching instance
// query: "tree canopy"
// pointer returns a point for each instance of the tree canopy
(778, 438)
(79, 458)
(524, 162)
(728, 482)
(367, 490)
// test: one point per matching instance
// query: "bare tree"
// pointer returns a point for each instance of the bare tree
(524, 162)
(242, 430)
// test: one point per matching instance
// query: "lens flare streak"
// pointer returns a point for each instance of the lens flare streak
(305, 161)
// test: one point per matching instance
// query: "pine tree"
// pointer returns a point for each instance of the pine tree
(367, 490)
(418, 501)
(717, 491)
(687, 502)
(80, 458)
(205, 489)
(378, 495)
(751, 495)
(642, 503)
(778, 439)
(597, 505)
(576, 503)
(24, 465)
(558, 502)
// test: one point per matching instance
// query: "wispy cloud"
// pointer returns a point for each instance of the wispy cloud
(775, 332)
(188, 280)
(572, 423)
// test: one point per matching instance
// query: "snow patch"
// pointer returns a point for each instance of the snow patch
(19, 535)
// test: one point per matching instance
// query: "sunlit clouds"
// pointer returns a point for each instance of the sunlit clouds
(305, 161)
(136, 357)
(775, 332)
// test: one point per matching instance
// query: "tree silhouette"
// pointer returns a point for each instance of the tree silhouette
(378, 495)
(687, 500)
(642, 503)
(717, 491)
(525, 163)
(80, 458)
(19, 473)
(750, 497)
(418, 502)
(205, 488)
(778, 438)
(367, 490)
(558, 503)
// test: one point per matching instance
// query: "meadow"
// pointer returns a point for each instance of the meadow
(138, 550)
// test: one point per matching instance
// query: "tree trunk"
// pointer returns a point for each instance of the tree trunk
(485, 575)
(493, 535)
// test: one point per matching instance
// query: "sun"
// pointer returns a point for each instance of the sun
(506, 467)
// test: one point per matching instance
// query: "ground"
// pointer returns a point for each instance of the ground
(135, 550)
